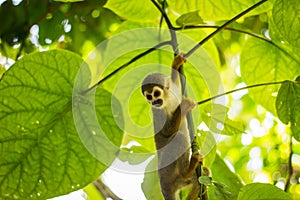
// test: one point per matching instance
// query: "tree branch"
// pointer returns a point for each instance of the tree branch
(105, 192)
(170, 26)
(239, 89)
(222, 27)
(228, 29)
(244, 32)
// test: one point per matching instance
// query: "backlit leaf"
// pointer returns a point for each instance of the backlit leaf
(191, 18)
(207, 146)
(286, 18)
(226, 183)
(42, 155)
(150, 185)
(287, 106)
(142, 10)
(274, 66)
(262, 191)
(217, 9)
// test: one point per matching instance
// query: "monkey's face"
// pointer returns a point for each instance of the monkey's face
(155, 97)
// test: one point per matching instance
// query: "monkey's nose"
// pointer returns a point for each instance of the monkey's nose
(157, 102)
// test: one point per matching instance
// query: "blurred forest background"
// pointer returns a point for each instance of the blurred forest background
(264, 151)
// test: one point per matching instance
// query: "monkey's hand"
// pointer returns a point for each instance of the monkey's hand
(196, 158)
(187, 105)
(178, 61)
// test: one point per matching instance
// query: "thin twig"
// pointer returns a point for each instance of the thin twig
(228, 29)
(105, 191)
(239, 89)
(222, 27)
(244, 32)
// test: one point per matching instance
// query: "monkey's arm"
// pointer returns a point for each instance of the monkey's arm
(180, 113)
(177, 62)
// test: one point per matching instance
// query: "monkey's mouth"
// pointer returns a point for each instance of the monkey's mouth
(157, 103)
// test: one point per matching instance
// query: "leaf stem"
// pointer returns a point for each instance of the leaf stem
(137, 57)
(222, 27)
(239, 89)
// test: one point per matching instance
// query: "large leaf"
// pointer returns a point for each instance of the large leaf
(142, 10)
(287, 106)
(262, 191)
(227, 184)
(217, 9)
(42, 155)
(274, 66)
(286, 19)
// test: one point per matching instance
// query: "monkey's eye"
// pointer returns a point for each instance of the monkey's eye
(156, 94)
(149, 97)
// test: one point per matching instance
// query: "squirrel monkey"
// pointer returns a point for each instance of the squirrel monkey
(176, 166)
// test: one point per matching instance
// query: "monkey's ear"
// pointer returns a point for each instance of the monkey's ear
(167, 84)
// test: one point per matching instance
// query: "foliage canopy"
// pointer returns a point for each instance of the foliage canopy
(49, 94)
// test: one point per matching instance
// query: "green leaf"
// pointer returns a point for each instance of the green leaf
(150, 185)
(274, 66)
(42, 155)
(284, 102)
(287, 106)
(296, 148)
(222, 191)
(133, 155)
(262, 191)
(142, 10)
(227, 184)
(207, 145)
(206, 180)
(216, 117)
(285, 14)
(217, 9)
(280, 41)
(2, 70)
(191, 18)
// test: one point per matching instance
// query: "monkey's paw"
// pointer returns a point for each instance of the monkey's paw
(187, 105)
(178, 61)
(196, 157)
